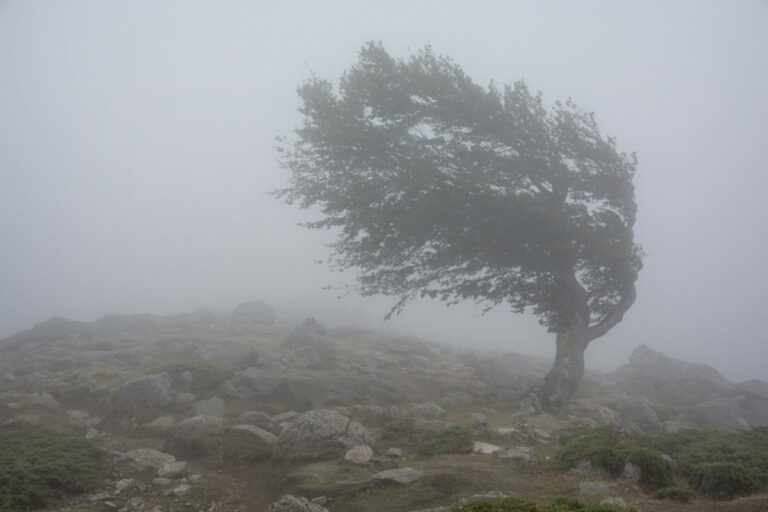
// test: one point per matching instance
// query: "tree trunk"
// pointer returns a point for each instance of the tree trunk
(564, 378)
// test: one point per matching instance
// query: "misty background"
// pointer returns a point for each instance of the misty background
(136, 157)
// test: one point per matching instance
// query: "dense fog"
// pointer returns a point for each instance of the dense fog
(137, 153)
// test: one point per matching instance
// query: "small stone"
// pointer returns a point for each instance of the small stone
(172, 470)
(99, 497)
(181, 490)
(395, 452)
(485, 448)
(616, 502)
(479, 419)
(593, 488)
(631, 472)
(320, 500)
(185, 398)
(520, 454)
(360, 454)
(124, 484)
(91, 433)
(212, 407)
(162, 482)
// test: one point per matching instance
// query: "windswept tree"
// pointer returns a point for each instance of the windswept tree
(441, 188)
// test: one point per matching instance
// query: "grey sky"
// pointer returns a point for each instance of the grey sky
(136, 152)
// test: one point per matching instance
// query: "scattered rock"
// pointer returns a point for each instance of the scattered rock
(402, 476)
(162, 425)
(150, 391)
(143, 458)
(259, 419)
(616, 502)
(293, 504)
(395, 452)
(124, 484)
(321, 430)
(479, 419)
(631, 472)
(593, 488)
(200, 424)
(520, 455)
(427, 410)
(212, 407)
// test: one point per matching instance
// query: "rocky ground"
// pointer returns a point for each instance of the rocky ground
(233, 411)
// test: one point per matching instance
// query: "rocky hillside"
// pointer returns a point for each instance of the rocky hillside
(232, 411)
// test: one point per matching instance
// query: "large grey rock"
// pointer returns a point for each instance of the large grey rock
(228, 354)
(258, 419)
(639, 412)
(200, 424)
(293, 504)
(320, 433)
(256, 383)
(247, 443)
(140, 459)
(212, 407)
(308, 347)
(196, 436)
(150, 391)
(172, 470)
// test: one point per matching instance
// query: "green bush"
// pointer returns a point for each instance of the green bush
(37, 466)
(602, 447)
(518, 505)
(655, 472)
(609, 450)
(725, 480)
(399, 430)
(675, 494)
(446, 441)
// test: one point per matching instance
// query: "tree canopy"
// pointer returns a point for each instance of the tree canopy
(439, 187)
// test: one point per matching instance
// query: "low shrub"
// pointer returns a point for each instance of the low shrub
(446, 441)
(675, 494)
(725, 480)
(38, 466)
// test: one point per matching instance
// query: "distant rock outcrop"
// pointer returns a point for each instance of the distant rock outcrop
(256, 312)
(709, 399)
(669, 380)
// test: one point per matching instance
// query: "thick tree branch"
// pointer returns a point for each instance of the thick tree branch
(615, 316)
